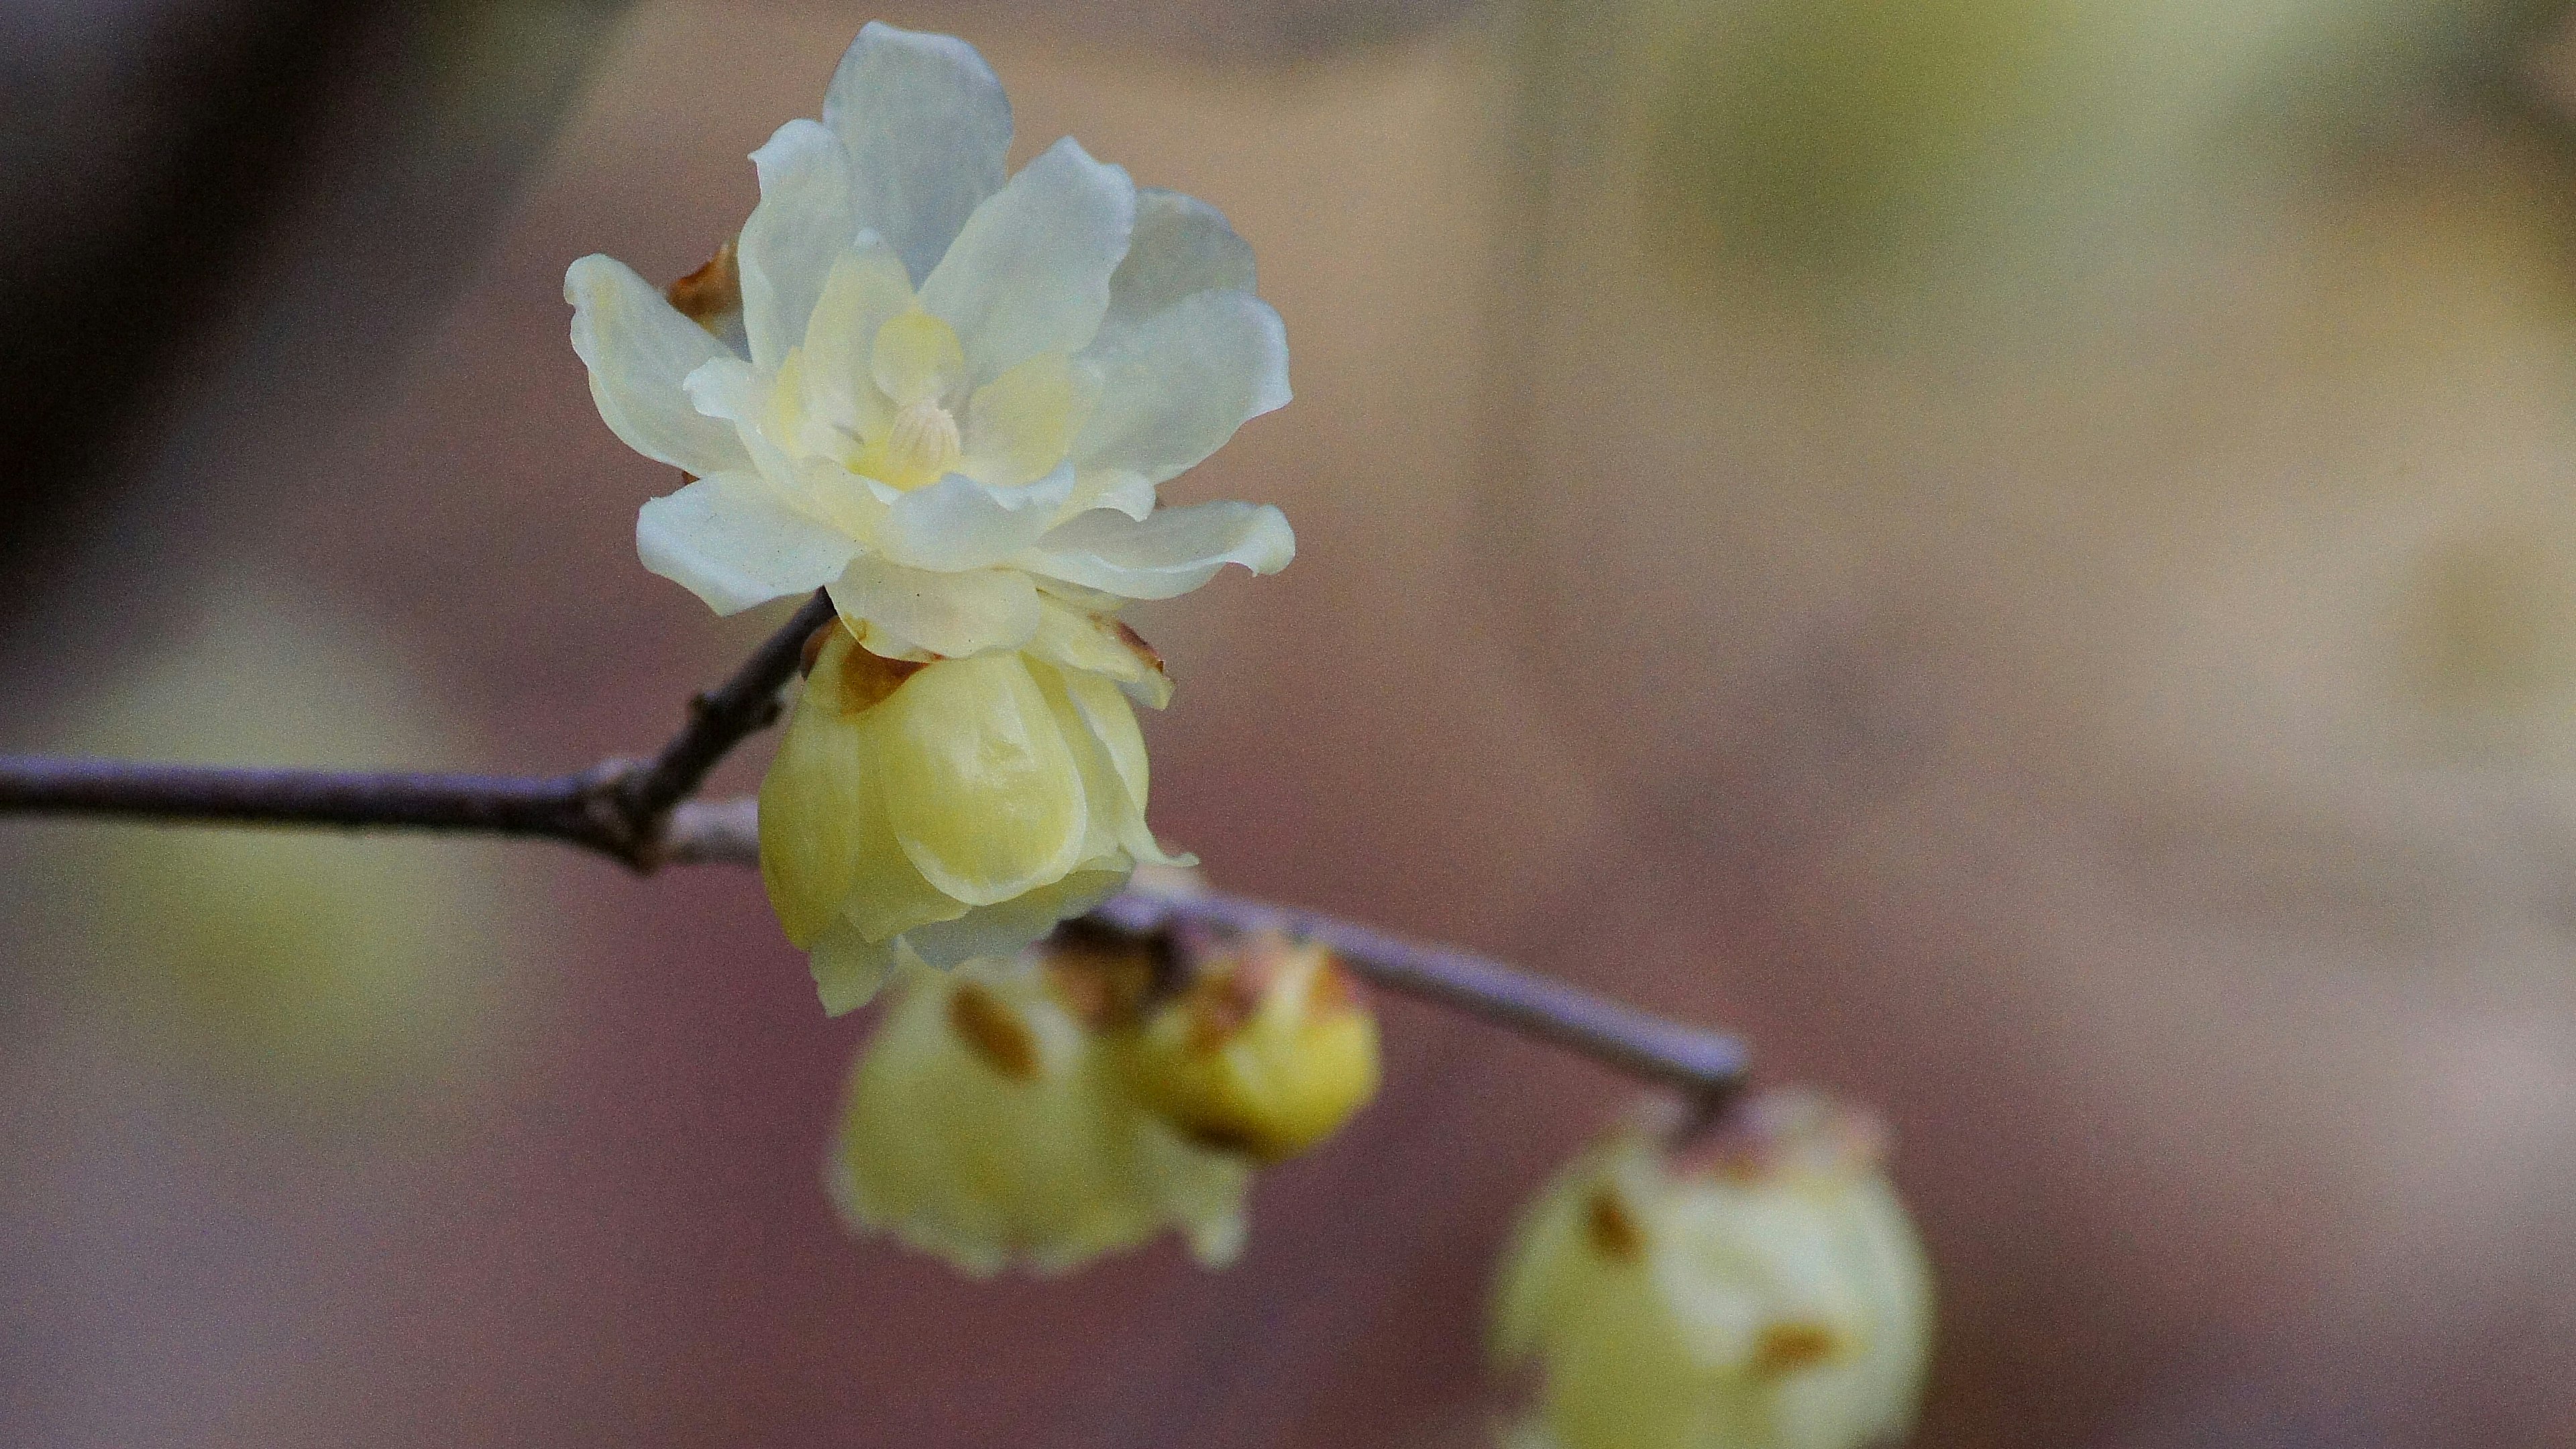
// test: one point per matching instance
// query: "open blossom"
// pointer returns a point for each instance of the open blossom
(987, 1124)
(947, 396)
(955, 808)
(1762, 1289)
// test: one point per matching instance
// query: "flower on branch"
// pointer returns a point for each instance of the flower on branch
(1759, 1289)
(946, 396)
(1268, 1052)
(988, 1124)
(1080, 1098)
(958, 808)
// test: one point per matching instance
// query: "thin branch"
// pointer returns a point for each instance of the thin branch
(640, 814)
(552, 806)
(735, 710)
(620, 808)
(1707, 1066)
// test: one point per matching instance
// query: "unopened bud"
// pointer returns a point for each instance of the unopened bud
(1760, 1288)
(986, 1126)
(1268, 1051)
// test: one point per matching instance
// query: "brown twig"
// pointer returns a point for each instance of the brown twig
(640, 814)
(620, 808)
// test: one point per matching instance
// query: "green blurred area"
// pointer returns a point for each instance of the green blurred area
(314, 967)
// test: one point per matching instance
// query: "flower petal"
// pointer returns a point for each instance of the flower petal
(952, 615)
(979, 784)
(731, 540)
(849, 968)
(926, 124)
(999, 930)
(1078, 640)
(1182, 246)
(1100, 725)
(639, 350)
(1030, 271)
(1172, 552)
(865, 289)
(957, 523)
(1174, 387)
(1019, 425)
(804, 223)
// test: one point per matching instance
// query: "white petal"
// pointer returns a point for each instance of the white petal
(804, 222)
(1030, 272)
(958, 523)
(1174, 387)
(1172, 552)
(732, 541)
(926, 124)
(1124, 489)
(1182, 246)
(639, 350)
(953, 615)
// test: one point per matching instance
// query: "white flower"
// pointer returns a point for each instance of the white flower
(950, 392)
(1760, 1290)
(986, 1125)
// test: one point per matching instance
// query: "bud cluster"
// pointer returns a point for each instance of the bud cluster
(1085, 1095)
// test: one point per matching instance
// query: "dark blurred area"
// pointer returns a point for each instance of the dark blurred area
(2023, 553)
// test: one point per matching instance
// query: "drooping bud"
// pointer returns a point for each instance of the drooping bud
(986, 1125)
(1268, 1050)
(944, 810)
(1758, 1289)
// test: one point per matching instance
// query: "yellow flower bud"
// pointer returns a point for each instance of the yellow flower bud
(1269, 1051)
(986, 1125)
(946, 809)
(1761, 1289)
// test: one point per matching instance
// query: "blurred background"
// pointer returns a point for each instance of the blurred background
(2020, 552)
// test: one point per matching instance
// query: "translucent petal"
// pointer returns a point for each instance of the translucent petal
(804, 223)
(1182, 245)
(917, 358)
(1080, 640)
(1020, 425)
(734, 542)
(926, 125)
(999, 930)
(1174, 387)
(849, 968)
(957, 523)
(1124, 489)
(951, 615)
(979, 784)
(865, 290)
(639, 350)
(1030, 272)
(1101, 726)
(1172, 552)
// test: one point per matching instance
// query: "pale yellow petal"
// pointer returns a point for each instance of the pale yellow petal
(916, 358)
(980, 786)
(1019, 425)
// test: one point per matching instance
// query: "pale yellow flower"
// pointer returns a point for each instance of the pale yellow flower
(947, 396)
(986, 1125)
(954, 809)
(1762, 1289)
(1268, 1051)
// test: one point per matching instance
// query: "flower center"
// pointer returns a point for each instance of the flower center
(923, 444)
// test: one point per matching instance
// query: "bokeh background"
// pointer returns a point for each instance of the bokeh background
(2020, 552)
